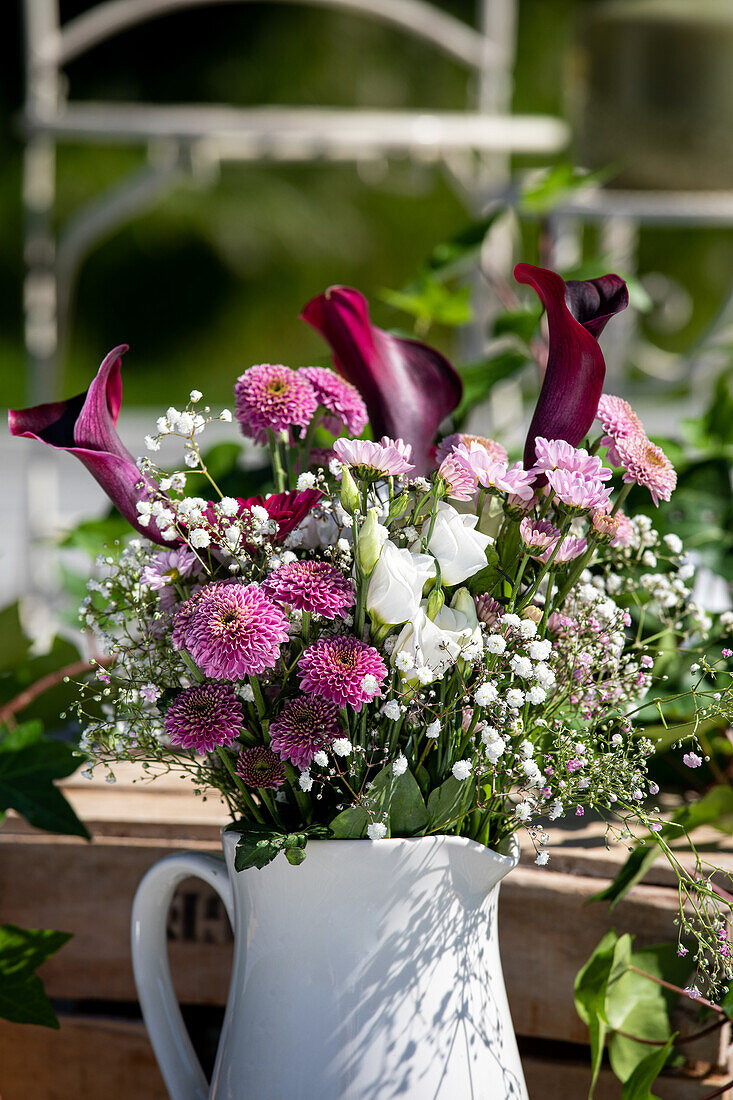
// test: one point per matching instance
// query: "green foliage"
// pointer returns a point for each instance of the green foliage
(29, 763)
(714, 808)
(547, 188)
(259, 844)
(430, 302)
(397, 796)
(22, 951)
(448, 802)
(617, 997)
(479, 378)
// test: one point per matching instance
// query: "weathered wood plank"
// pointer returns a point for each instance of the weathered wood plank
(562, 1079)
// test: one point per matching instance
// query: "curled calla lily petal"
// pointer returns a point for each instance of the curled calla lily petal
(408, 387)
(85, 426)
(577, 313)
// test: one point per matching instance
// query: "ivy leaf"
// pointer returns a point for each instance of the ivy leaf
(609, 959)
(638, 1086)
(22, 996)
(29, 762)
(448, 801)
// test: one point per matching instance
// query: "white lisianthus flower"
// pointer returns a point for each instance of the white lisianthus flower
(435, 645)
(459, 548)
(395, 587)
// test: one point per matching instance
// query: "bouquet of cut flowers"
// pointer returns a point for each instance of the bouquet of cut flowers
(404, 638)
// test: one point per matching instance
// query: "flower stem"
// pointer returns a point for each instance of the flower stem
(246, 796)
(278, 469)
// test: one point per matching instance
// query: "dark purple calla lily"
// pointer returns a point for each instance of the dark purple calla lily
(85, 426)
(577, 313)
(408, 387)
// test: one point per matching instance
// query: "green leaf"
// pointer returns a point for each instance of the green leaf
(14, 646)
(638, 1086)
(56, 699)
(591, 984)
(408, 814)
(22, 997)
(518, 322)
(453, 256)
(487, 578)
(447, 802)
(351, 823)
(648, 1020)
(551, 186)
(714, 808)
(254, 850)
(29, 762)
(430, 301)
(95, 535)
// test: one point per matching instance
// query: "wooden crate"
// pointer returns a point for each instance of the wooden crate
(547, 931)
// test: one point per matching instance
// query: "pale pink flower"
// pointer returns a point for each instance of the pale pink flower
(619, 421)
(494, 450)
(578, 493)
(625, 531)
(646, 464)
(570, 549)
(342, 401)
(459, 478)
(538, 535)
(556, 454)
(369, 459)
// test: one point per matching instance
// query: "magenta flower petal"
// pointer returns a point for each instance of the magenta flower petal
(409, 388)
(85, 426)
(577, 313)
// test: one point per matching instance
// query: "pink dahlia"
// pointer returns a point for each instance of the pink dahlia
(458, 477)
(570, 549)
(304, 726)
(556, 454)
(373, 460)
(577, 492)
(494, 451)
(646, 464)
(538, 535)
(339, 398)
(260, 767)
(344, 670)
(275, 398)
(312, 586)
(234, 631)
(204, 716)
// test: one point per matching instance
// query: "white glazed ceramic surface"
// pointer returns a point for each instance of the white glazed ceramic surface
(371, 971)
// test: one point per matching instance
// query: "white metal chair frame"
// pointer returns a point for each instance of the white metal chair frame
(183, 140)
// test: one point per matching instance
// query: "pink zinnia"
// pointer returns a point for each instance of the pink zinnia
(538, 535)
(275, 398)
(341, 400)
(344, 670)
(494, 451)
(313, 586)
(260, 767)
(646, 464)
(459, 478)
(371, 460)
(204, 716)
(304, 726)
(578, 493)
(556, 454)
(619, 421)
(235, 631)
(570, 549)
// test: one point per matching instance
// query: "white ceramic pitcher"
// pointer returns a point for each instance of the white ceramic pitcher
(371, 971)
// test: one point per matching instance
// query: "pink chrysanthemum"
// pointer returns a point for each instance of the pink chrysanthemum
(342, 401)
(605, 526)
(517, 506)
(538, 535)
(305, 725)
(182, 618)
(619, 421)
(578, 493)
(459, 478)
(569, 550)
(234, 631)
(371, 460)
(496, 476)
(169, 566)
(557, 454)
(204, 716)
(494, 451)
(646, 464)
(624, 532)
(273, 397)
(344, 670)
(312, 586)
(260, 767)
(488, 610)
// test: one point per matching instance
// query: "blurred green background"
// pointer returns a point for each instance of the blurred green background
(212, 280)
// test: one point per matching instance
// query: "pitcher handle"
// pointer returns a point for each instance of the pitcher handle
(182, 1072)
